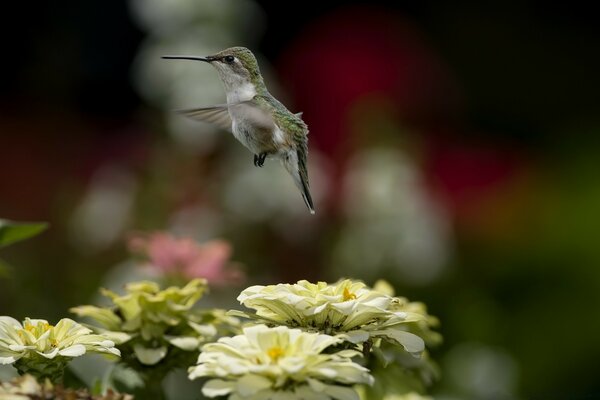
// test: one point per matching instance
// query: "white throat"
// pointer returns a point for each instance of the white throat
(238, 87)
(239, 93)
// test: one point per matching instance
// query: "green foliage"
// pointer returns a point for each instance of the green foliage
(11, 232)
(4, 269)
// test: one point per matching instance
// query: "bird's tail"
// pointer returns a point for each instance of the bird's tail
(306, 195)
(295, 163)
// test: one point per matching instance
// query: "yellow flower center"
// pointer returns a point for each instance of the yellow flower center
(275, 352)
(36, 330)
(348, 295)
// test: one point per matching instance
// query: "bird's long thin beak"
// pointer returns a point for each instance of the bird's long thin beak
(194, 58)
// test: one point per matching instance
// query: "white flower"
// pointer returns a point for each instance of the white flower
(37, 342)
(348, 309)
(22, 388)
(278, 363)
(26, 387)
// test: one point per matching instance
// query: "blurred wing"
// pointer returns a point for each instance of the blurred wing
(216, 115)
(253, 111)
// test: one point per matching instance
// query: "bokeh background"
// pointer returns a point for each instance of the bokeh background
(453, 152)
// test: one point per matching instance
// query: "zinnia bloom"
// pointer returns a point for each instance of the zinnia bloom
(42, 349)
(348, 309)
(278, 363)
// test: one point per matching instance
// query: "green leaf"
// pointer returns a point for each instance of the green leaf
(5, 269)
(11, 232)
(381, 356)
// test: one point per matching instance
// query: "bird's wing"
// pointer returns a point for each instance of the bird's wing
(256, 112)
(217, 115)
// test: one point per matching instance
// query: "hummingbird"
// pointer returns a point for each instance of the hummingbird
(256, 118)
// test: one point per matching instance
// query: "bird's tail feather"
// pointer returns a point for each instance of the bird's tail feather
(306, 195)
(296, 166)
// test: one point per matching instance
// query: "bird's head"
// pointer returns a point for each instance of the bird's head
(236, 66)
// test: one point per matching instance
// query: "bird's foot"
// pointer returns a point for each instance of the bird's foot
(259, 160)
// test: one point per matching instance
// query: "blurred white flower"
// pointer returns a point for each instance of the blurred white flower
(479, 371)
(26, 387)
(268, 195)
(103, 213)
(278, 363)
(392, 222)
(166, 18)
(22, 388)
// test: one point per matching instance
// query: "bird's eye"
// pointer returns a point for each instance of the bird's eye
(229, 59)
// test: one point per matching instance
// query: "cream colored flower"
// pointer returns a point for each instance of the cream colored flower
(278, 363)
(21, 388)
(43, 349)
(348, 309)
(26, 387)
(37, 337)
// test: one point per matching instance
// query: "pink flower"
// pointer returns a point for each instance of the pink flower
(169, 255)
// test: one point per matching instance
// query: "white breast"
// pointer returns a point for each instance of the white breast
(243, 131)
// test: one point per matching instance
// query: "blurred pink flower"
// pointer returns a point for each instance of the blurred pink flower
(169, 255)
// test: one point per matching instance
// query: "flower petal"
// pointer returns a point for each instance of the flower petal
(9, 359)
(50, 355)
(10, 321)
(217, 387)
(149, 356)
(19, 347)
(249, 384)
(117, 337)
(341, 392)
(357, 336)
(411, 342)
(186, 343)
(73, 351)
